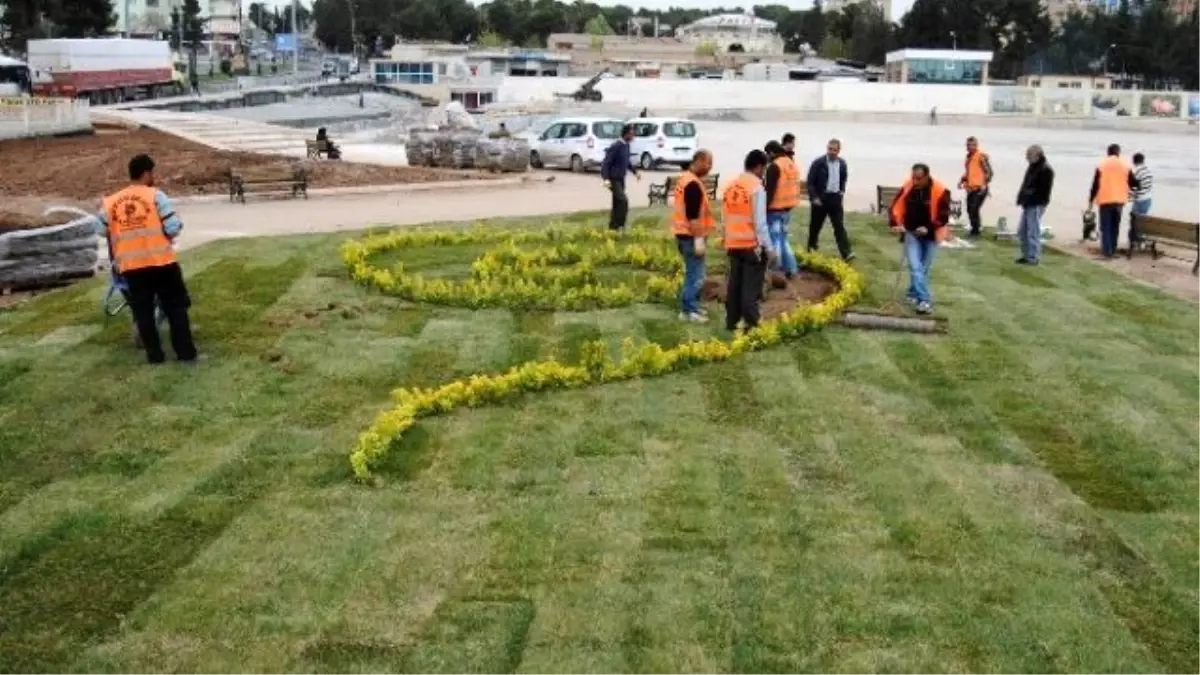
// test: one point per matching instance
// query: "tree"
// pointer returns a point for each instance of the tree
(332, 25)
(812, 26)
(82, 18)
(597, 25)
(491, 39)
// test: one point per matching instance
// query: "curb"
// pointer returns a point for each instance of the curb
(395, 188)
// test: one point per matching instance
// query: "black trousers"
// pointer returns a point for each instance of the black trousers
(975, 199)
(747, 272)
(162, 286)
(831, 205)
(620, 205)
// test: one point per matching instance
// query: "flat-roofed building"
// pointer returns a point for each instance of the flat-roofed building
(938, 66)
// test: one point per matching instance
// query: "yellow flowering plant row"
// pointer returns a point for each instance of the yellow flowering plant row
(508, 276)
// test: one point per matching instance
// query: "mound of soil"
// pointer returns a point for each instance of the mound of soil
(14, 220)
(779, 294)
(86, 167)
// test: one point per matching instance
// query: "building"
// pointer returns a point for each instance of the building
(151, 17)
(1066, 81)
(743, 33)
(938, 66)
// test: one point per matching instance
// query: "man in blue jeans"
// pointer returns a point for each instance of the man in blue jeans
(919, 215)
(1143, 196)
(692, 222)
(782, 183)
(1033, 198)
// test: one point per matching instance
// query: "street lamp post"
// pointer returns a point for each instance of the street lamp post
(954, 40)
(295, 43)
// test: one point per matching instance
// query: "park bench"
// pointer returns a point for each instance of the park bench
(267, 179)
(661, 193)
(316, 149)
(886, 194)
(1152, 230)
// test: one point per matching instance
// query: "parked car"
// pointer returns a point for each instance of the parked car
(663, 140)
(575, 143)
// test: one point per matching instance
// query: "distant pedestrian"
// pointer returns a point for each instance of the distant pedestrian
(933, 116)
(1143, 196)
(1112, 184)
(1033, 198)
(617, 162)
(827, 176)
(977, 181)
(920, 214)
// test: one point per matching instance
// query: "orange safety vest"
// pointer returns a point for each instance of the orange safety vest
(936, 192)
(680, 225)
(787, 191)
(1114, 181)
(738, 212)
(976, 176)
(135, 232)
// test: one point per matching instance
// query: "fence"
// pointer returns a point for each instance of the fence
(23, 117)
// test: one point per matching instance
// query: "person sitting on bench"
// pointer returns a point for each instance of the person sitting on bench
(331, 150)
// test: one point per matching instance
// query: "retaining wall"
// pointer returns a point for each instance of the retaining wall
(22, 117)
(861, 97)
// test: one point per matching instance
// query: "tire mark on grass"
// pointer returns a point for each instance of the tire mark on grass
(1020, 401)
(1167, 624)
(79, 582)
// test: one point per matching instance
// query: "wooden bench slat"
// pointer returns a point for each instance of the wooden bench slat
(1155, 230)
(242, 178)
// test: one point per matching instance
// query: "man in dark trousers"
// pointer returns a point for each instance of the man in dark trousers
(747, 242)
(617, 162)
(140, 224)
(826, 192)
(1112, 184)
(976, 180)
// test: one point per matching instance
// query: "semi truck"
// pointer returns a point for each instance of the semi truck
(104, 70)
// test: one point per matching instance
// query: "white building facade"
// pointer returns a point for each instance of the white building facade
(734, 33)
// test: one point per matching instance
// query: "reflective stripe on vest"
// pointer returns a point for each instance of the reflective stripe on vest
(135, 231)
(936, 192)
(1114, 181)
(738, 212)
(680, 225)
(976, 176)
(787, 190)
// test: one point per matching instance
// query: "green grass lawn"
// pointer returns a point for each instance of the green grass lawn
(1018, 495)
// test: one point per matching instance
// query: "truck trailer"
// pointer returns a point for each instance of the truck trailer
(104, 70)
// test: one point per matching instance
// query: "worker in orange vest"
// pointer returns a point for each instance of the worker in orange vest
(1111, 186)
(920, 214)
(976, 180)
(747, 242)
(782, 183)
(692, 223)
(140, 224)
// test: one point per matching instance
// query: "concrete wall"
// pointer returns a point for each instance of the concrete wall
(856, 97)
(30, 117)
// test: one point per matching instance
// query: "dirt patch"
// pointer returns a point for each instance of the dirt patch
(779, 293)
(87, 167)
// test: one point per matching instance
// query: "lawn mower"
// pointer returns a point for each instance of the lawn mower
(116, 298)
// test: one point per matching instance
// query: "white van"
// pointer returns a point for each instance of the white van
(663, 140)
(575, 143)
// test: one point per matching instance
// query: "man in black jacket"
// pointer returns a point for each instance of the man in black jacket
(1033, 199)
(618, 161)
(826, 190)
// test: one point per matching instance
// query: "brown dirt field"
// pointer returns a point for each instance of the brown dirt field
(780, 295)
(87, 167)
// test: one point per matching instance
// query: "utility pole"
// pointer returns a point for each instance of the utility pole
(295, 42)
(128, 33)
(353, 34)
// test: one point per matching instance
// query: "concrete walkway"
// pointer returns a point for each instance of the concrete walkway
(215, 131)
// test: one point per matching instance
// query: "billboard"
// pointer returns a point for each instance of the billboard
(285, 42)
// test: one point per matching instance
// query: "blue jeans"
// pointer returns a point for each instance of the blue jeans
(920, 254)
(777, 225)
(1139, 208)
(693, 277)
(1110, 228)
(1029, 233)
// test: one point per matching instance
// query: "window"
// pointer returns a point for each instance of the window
(607, 129)
(945, 71)
(404, 73)
(679, 129)
(644, 129)
(553, 131)
(1035, 83)
(1064, 85)
(1076, 85)
(574, 130)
